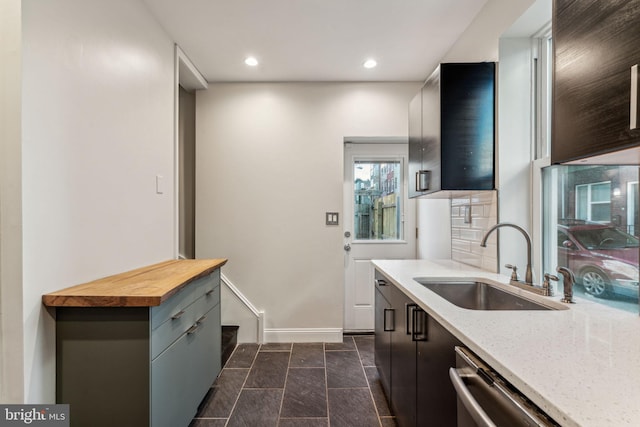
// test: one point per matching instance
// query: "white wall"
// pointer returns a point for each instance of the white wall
(515, 127)
(269, 165)
(516, 122)
(434, 228)
(11, 348)
(98, 96)
(479, 42)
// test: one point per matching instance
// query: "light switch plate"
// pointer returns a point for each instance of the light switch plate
(159, 184)
(332, 218)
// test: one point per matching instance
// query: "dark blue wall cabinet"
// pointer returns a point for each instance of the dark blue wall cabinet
(452, 131)
(595, 92)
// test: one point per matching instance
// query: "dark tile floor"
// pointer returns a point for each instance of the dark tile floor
(298, 385)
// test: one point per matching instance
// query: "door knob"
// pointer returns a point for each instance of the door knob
(347, 247)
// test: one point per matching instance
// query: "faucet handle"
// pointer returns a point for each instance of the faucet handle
(514, 272)
(568, 279)
(546, 285)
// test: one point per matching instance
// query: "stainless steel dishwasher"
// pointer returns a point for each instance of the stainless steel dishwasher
(485, 399)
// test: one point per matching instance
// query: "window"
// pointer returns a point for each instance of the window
(589, 213)
(593, 201)
(377, 198)
(589, 221)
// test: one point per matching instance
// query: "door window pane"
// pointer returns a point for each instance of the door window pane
(377, 198)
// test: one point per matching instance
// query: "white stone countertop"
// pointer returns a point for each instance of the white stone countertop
(581, 365)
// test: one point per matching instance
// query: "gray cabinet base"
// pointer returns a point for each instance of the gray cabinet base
(102, 365)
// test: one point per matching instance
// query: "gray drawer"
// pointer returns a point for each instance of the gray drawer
(204, 287)
(171, 330)
(182, 311)
(180, 301)
(181, 375)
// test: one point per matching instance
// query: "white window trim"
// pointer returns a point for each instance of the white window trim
(538, 215)
(542, 83)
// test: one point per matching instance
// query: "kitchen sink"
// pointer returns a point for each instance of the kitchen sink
(476, 295)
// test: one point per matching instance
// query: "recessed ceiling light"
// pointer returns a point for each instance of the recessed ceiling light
(370, 63)
(251, 61)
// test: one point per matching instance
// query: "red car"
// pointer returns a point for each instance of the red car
(603, 258)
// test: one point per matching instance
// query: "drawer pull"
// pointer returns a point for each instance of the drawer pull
(209, 292)
(381, 282)
(177, 315)
(193, 329)
(200, 320)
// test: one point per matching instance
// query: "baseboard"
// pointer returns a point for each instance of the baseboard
(303, 335)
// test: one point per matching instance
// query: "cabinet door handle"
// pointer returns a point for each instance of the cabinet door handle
(422, 180)
(419, 321)
(193, 328)
(408, 322)
(177, 315)
(633, 122)
(393, 320)
(381, 282)
(209, 292)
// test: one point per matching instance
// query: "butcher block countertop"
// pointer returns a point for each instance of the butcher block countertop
(143, 287)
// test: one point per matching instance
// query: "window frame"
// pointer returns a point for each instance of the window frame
(542, 84)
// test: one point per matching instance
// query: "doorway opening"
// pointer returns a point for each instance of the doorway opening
(188, 81)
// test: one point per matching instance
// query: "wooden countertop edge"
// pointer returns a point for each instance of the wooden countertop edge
(92, 294)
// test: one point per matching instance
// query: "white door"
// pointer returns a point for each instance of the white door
(379, 222)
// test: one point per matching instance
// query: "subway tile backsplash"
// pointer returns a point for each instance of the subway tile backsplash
(471, 216)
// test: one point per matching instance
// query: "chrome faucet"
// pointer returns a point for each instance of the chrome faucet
(528, 275)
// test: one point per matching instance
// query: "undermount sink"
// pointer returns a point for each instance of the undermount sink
(476, 295)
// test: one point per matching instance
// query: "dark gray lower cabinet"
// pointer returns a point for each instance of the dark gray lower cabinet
(413, 356)
(384, 325)
(435, 393)
(403, 361)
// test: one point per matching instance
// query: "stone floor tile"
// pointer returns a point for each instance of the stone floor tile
(257, 407)
(346, 344)
(269, 370)
(307, 355)
(303, 422)
(344, 370)
(276, 346)
(351, 408)
(223, 395)
(243, 356)
(305, 393)
(379, 398)
(208, 422)
(364, 343)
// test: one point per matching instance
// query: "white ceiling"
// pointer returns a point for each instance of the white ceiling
(315, 40)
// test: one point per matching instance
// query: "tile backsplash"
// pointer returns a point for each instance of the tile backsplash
(471, 216)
